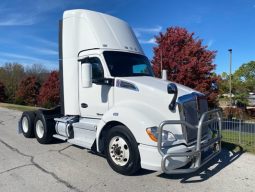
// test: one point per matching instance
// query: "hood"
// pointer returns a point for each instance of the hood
(156, 84)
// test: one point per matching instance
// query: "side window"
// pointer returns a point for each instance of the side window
(140, 68)
(97, 68)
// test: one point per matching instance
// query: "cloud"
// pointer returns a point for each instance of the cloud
(33, 45)
(10, 57)
(14, 20)
(144, 35)
(149, 41)
(18, 13)
(16, 16)
(139, 31)
(44, 47)
(156, 29)
(43, 51)
(44, 42)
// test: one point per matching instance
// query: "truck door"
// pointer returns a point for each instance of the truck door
(93, 100)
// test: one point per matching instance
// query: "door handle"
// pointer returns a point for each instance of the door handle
(84, 105)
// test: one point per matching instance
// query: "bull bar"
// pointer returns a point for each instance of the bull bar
(195, 155)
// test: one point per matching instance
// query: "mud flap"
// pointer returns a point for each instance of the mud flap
(19, 128)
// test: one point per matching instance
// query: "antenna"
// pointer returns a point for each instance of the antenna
(161, 65)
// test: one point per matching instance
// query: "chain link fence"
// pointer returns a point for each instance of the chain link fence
(241, 132)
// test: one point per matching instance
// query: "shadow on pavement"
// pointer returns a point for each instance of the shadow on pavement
(56, 141)
(226, 157)
(230, 153)
(142, 172)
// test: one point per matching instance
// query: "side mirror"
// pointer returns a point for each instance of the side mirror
(214, 86)
(172, 89)
(86, 75)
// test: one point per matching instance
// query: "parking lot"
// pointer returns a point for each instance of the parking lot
(26, 165)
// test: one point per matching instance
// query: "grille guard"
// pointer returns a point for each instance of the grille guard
(196, 154)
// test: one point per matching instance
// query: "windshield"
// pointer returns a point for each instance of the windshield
(121, 64)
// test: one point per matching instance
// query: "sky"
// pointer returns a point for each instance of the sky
(29, 28)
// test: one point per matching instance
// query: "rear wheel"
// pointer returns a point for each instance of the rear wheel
(27, 124)
(122, 151)
(39, 129)
(43, 129)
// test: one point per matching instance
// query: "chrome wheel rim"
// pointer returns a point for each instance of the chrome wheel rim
(39, 129)
(25, 124)
(119, 151)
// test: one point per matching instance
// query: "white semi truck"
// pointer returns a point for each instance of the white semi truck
(111, 103)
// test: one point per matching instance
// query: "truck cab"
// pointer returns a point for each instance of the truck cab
(112, 103)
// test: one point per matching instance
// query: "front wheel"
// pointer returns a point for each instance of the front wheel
(122, 151)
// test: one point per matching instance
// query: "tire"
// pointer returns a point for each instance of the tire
(122, 151)
(27, 124)
(43, 129)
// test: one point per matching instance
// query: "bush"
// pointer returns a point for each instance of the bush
(49, 95)
(2, 92)
(251, 112)
(231, 112)
(28, 91)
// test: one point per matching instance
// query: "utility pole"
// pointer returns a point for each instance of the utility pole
(230, 74)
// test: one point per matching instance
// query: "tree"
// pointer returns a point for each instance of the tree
(246, 74)
(2, 92)
(49, 95)
(223, 83)
(224, 76)
(244, 82)
(28, 91)
(11, 74)
(187, 61)
(37, 70)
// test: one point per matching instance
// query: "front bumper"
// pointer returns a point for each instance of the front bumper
(197, 156)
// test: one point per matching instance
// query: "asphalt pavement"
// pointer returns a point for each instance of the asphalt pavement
(26, 165)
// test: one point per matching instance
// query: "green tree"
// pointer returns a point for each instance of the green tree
(243, 82)
(11, 74)
(224, 76)
(246, 75)
(224, 83)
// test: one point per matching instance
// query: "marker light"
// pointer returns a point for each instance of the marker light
(166, 135)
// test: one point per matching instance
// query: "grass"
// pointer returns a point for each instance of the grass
(18, 107)
(247, 139)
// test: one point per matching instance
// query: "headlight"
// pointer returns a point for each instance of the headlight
(166, 135)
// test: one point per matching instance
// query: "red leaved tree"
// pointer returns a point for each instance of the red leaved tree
(2, 92)
(187, 61)
(28, 91)
(49, 95)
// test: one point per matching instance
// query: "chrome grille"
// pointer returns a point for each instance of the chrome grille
(191, 107)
